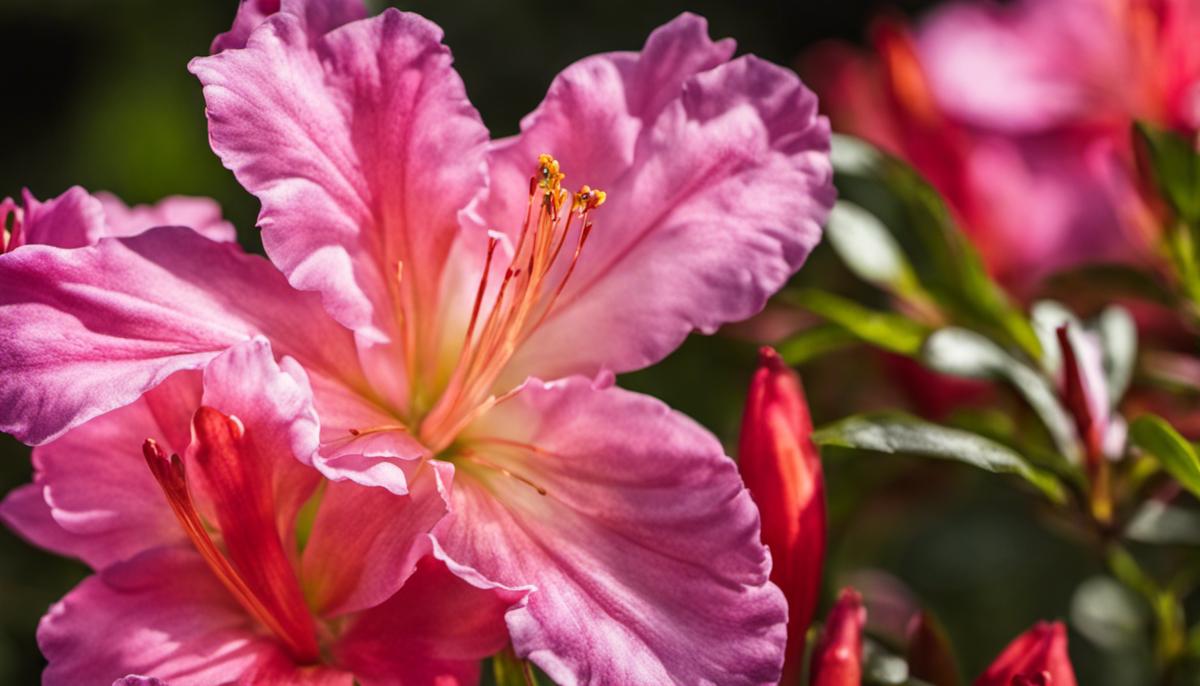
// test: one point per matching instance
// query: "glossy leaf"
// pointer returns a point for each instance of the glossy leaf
(901, 434)
(1176, 454)
(960, 352)
(882, 329)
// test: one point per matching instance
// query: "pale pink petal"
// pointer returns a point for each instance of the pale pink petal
(718, 180)
(91, 329)
(362, 147)
(644, 547)
(202, 215)
(162, 614)
(103, 504)
(71, 220)
(319, 15)
(1027, 66)
(435, 630)
(366, 541)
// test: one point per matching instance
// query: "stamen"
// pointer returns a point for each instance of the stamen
(532, 284)
(475, 457)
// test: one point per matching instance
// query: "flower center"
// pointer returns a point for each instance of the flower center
(254, 566)
(531, 285)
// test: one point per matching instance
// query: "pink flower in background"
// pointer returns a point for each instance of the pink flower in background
(478, 311)
(1020, 116)
(222, 558)
(75, 219)
(782, 469)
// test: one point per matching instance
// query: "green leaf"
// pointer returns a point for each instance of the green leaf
(1178, 456)
(901, 434)
(1158, 523)
(1111, 615)
(948, 265)
(960, 352)
(882, 329)
(868, 249)
(1175, 166)
(814, 342)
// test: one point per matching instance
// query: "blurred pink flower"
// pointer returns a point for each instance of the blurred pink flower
(1020, 115)
(213, 569)
(377, 180)
(782, 469)
(75, 219)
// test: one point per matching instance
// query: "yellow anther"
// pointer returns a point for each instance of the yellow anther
(588, 198)
(548, 175)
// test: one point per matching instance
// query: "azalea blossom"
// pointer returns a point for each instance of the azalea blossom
(460, 312)
(782, 469)
(1020, 115)
(294, 581)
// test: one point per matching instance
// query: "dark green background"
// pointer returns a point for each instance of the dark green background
(97, 94)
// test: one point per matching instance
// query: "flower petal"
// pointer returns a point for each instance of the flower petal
(318, 15)
(71, 220)
(202, 215)
(436, 629)
(91, 329)
(718, 179)
(103, 504)
(365, 541)
(362, 147)
(644, 548)
(1028, 66)
(162, 614)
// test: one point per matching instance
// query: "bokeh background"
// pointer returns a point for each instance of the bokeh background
(96, 93)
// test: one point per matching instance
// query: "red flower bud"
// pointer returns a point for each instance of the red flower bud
(1037, 657)
(782, 469)
(837, 660)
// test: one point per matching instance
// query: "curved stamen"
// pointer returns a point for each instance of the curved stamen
(532, 284)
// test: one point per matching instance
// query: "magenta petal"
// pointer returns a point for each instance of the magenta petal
(161, 614)
(318, 15)
(718, 180)
(202, 215)
(91, 329)
(362, 147)
(644, 549)
(71, 220)
(436, 629)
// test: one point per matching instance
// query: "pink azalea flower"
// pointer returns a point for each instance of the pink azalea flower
(1020, 115)
(213, 569)
(75, 219)
(477, 311)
